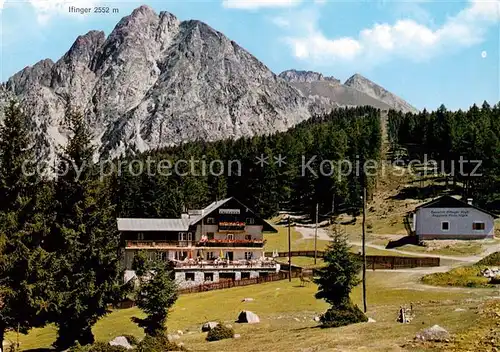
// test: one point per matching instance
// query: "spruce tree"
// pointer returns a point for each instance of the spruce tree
(85, 240)
(24, 274)
(156, 293)
(336, 281)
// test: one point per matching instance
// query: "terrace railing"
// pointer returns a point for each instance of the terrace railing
(158, 244)
(231, 243)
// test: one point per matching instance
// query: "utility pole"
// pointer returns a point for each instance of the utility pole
(364, 250)
(316, 235)
(289, 252)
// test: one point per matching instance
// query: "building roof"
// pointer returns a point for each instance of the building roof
(153, 224)
(451, 202)
(182, 224)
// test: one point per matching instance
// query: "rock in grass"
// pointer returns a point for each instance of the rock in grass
(371, 320)
(249, 317)
(122, 342)
(209, 326)
(247, 300)
(237, 336)
(434, 333)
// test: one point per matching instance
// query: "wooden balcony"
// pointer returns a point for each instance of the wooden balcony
(231, 243)
(158, 244)
(226, 264)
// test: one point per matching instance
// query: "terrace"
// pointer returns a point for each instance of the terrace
(218, 264)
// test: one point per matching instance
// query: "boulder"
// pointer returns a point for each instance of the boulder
(121, 341)
(173, 337)
(209, 326)
(371, 320)
(247, 300)
(316, 319)
(179, 332)
(237, 336)
(249, 317)
(434, 333)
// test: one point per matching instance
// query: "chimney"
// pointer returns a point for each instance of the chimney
(469, 201)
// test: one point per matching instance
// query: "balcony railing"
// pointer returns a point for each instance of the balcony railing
(158, 244)
(225, 264)
(231, 243)
(225, 226)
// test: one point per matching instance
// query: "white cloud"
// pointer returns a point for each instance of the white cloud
(1, 5)
(256, 4)
(404, 38)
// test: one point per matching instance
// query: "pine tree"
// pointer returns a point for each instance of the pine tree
(335, 282)
(156, 293)
(85, 240)
(24, 274)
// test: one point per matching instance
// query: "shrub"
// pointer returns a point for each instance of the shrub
(158, 343)
(131, 339)
(342, 316)
(97, 347)
(490, 260)
(220, 332)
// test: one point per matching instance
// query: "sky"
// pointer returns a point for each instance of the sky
(427, 52)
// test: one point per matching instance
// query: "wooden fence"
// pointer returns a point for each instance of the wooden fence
(236, 283)
(376, 261)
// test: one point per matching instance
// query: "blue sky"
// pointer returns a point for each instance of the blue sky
(428, 52)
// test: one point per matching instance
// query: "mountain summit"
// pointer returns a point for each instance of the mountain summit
(156, 81)
(366, 86)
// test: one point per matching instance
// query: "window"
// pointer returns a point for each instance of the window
(140, 236)
(248, 237)
(250, 221)
(211, 255)
(163, 256)
(189, 276)
(210, 221)
(478, 226)
(245, 275)
(248, 255)
(179, 255)
(230, 236)
(445, 226)
(210, 235)
(209, 277)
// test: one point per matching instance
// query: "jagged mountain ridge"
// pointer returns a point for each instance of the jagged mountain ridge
(356, 91)
(157, 81)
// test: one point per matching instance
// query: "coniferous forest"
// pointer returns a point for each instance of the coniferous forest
(447, 137)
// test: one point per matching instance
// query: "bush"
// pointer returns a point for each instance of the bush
(158, 344)
(490, 260)
(97, 347)
(131, 339)
(342, 316)
(220, 332)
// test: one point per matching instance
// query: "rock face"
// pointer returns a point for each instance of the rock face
(155, 81)
(295, 76)
(375, 91)
(248, 317)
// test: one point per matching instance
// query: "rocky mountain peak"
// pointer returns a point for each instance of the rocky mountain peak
(372, 89)
(86, 46)
(294, 76)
